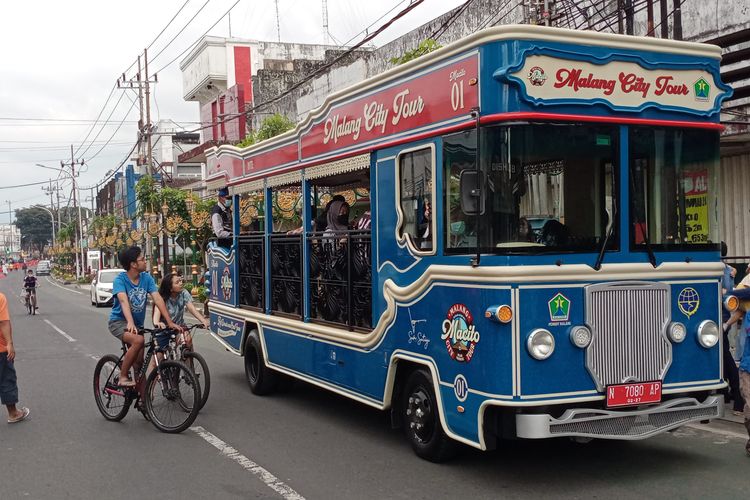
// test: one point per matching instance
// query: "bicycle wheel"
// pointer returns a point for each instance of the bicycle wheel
(172, 397)
(198, 365)
(33, 305)
(112, 402)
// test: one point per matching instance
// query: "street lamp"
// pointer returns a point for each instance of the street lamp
(81, 267)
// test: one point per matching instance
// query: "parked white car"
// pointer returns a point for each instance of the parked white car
(101, 287)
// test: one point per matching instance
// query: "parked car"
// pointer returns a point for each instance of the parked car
(101, 287)
(43, 268)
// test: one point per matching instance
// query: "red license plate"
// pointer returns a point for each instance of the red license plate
(633, 394)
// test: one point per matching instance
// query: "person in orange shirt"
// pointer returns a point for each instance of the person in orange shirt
(8, 385)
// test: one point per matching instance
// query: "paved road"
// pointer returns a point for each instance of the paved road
(303, 442)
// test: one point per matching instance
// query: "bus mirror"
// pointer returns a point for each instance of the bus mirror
(472, 194)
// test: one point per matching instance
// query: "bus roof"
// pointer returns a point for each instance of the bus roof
(331, 132)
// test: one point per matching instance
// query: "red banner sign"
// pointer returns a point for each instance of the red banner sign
(434, 97)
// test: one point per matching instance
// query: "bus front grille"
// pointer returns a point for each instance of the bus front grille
(628, 324)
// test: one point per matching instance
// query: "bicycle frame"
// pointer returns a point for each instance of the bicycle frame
(140, 376)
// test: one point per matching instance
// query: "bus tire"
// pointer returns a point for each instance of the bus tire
(420, 415)
(261, 379)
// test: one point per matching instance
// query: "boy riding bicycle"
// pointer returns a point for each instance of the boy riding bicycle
(131, 289)
(29, 286)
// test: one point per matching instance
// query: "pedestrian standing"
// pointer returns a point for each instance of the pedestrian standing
(8, 384)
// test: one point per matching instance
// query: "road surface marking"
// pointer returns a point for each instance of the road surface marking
(271, 481)
(70, 339)
(58, 286)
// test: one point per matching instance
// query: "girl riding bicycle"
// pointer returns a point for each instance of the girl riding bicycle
(177, 299)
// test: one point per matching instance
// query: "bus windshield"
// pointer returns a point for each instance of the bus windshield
(549, 188)
(674, 184)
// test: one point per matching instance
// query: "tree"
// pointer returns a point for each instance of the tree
(271, 126)
(35, 227)
(424, 47)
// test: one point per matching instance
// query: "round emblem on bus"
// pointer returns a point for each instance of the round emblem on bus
(226, 284)
(537, 76)
(461, 388)
(459, 333)
(688, 301)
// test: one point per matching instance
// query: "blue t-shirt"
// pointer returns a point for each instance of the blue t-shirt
(137, 297)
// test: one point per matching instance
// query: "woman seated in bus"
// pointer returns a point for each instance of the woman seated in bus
(321, 221)
(555, 234)
(525, 233)
(337, 218)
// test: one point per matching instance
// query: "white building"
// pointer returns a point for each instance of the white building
(10, 238)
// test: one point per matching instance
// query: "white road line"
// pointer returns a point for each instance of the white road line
(271, 481)
(70, 339)
(66, 289)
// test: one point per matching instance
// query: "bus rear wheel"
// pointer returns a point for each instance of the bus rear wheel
(261, 379)
(421, 419)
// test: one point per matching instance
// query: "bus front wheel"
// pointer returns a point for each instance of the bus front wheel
(261, 379)
(420, 416)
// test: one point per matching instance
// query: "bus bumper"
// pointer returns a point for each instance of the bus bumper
(619, 424)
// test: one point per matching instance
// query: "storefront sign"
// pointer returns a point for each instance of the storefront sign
(624, 86)
(695, 184)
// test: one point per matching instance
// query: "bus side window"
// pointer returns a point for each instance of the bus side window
(416, 198)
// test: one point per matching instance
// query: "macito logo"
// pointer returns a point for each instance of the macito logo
(459, 333)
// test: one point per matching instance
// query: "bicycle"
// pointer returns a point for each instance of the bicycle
(168, 391)
(180, 348)
(30, 300)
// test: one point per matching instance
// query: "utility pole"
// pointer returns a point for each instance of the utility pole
(677, 20)
(10, 225)
(142, 81)
(326, 38)
(664, 24)
(278, 24)
(80, 259)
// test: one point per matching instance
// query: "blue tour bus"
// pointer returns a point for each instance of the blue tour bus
(427, 291)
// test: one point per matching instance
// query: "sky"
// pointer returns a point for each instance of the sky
(60, 60)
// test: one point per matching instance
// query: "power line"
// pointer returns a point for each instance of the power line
(114, 133)
(181, 30)
(412, 5)
(198, 40)
(167, 26)
(111, 92)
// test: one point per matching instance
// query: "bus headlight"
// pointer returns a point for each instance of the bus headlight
(540, 344)
(580, 336)
(677, 332)
(708, 334)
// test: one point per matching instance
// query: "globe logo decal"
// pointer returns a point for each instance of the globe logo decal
(688, 301)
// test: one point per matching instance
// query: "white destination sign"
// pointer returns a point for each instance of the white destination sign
(621, 84)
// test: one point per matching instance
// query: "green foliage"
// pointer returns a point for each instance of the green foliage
(103, 221)
(67, 232)
(425, 47)
(270, 127)
(147, 194)
(35, 227)
(202, 294)
(188, 287)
